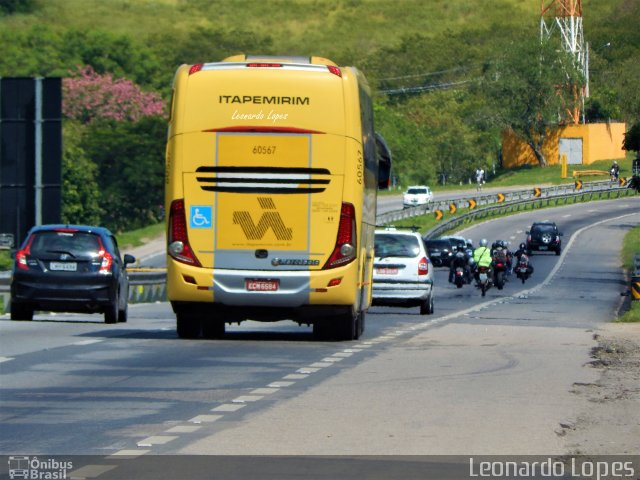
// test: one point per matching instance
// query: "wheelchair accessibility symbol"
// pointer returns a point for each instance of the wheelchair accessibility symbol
(200, 216)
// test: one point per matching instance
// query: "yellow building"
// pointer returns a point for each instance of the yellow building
(583, 144)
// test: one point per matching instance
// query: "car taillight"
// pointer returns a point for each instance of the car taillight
(345, 248)
(529, 238)
(178, 241)
(21, 256)
(423, 266)
(107, 259)
(107, 262)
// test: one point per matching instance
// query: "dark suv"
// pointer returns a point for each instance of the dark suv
(544, 236)
(439, 251)
(70, 268)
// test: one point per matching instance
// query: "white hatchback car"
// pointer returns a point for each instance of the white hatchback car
(403, 274)
(416, 195)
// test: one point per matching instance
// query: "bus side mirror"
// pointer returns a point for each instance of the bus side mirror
(383, 155)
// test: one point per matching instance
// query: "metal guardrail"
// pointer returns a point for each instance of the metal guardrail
(490, 199)
(516, 206)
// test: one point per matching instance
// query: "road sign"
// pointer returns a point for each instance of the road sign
(438, 214)
(578, 184)
(537, 192)
(6, 240)
(500, 197)
(622, 181)
(452, 208)
(472, 204)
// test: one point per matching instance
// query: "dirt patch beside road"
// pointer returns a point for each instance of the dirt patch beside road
(610, 423)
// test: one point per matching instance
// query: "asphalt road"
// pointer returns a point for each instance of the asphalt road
(486, 375)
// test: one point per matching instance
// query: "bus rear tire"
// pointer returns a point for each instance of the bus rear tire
(212, 328)
(188, 325)
(346, 326)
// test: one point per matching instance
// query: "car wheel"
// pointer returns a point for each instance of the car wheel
(123, 314)
(427, 306)
(188, 325)
(558, 251)
(20, 311)
(111, 312)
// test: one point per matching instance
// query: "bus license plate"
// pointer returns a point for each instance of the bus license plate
(63, 266)
(261, 285)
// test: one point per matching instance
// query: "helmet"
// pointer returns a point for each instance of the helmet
(483, 242)
(522, 246)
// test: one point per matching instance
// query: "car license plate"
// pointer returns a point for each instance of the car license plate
(387, 270)
(543, 247)
(261, 285)
(63, 266)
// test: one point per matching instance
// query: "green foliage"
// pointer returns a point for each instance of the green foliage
(530, 87)
(9, 7)
(426, 61)
(130, 160)
(632, 138)
(81, 194)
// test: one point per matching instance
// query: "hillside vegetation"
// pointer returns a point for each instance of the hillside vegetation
(425, 60)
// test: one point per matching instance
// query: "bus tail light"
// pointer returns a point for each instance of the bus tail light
(335, 70)
(178, 241)
(195, 68)
(345, 248)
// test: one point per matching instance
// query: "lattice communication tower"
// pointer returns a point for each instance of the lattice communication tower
(564, 18)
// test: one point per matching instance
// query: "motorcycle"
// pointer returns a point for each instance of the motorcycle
(522, 269)
(459, 277)
(484, 281)
(499, 269)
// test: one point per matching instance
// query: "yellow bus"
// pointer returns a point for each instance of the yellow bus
(272, 170)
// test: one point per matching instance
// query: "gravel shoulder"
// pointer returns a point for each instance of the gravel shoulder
(609, 422)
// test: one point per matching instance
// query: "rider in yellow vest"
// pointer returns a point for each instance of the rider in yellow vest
(482, 256)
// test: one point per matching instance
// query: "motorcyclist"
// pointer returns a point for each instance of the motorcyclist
(501, 244)
(522, 250)
(482, 257)
(614, 170)
(459, 259)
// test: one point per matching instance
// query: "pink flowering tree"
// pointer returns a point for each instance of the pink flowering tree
(88, 95)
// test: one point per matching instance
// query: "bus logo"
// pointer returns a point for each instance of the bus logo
(270, 219)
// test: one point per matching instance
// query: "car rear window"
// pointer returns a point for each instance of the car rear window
(438, 244)
(396, 246)
(544, 228)
(74, 243)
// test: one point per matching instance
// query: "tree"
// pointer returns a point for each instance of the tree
(529, 90)
(80, 191)
(89, 95)
(130, 161)
(631, 140)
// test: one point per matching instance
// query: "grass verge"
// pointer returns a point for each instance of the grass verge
(630, 246)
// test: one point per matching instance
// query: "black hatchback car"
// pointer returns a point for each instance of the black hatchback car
(70, 268)
(544, 236)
